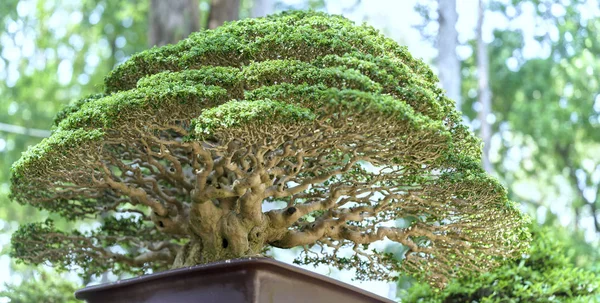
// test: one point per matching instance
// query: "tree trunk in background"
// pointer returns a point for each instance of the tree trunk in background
(567, 154)
(172, 20)
(447, 41)
(261, 8)
(484, 95)
(223, 10)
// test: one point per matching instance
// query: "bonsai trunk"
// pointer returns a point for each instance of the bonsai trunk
(220, 233)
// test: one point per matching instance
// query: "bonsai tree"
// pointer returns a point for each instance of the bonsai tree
(299, 129)
(545, 274)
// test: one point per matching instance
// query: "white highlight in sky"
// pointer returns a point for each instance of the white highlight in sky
(65, 72)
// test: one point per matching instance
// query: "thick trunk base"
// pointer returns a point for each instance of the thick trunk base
(195, 253)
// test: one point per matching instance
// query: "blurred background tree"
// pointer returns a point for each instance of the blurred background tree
(543, 65)
(43, 288)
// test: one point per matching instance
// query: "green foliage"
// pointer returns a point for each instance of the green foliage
(73, 107)
(48, 288)
(285, 36)
(545, 274)
(38, 242)
(238, 114)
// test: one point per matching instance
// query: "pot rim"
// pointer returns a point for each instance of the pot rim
(232, 264)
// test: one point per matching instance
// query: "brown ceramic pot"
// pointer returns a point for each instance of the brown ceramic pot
(234, 281)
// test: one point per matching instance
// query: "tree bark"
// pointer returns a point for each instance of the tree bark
(485, 95)
(262, 8)
(173, 20)
(447, 60)
(595, 212)
(222, 11)
(567, 155)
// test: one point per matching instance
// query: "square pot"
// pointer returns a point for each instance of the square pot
(249, 280)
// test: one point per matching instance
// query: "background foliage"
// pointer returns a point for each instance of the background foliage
(47, 288)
